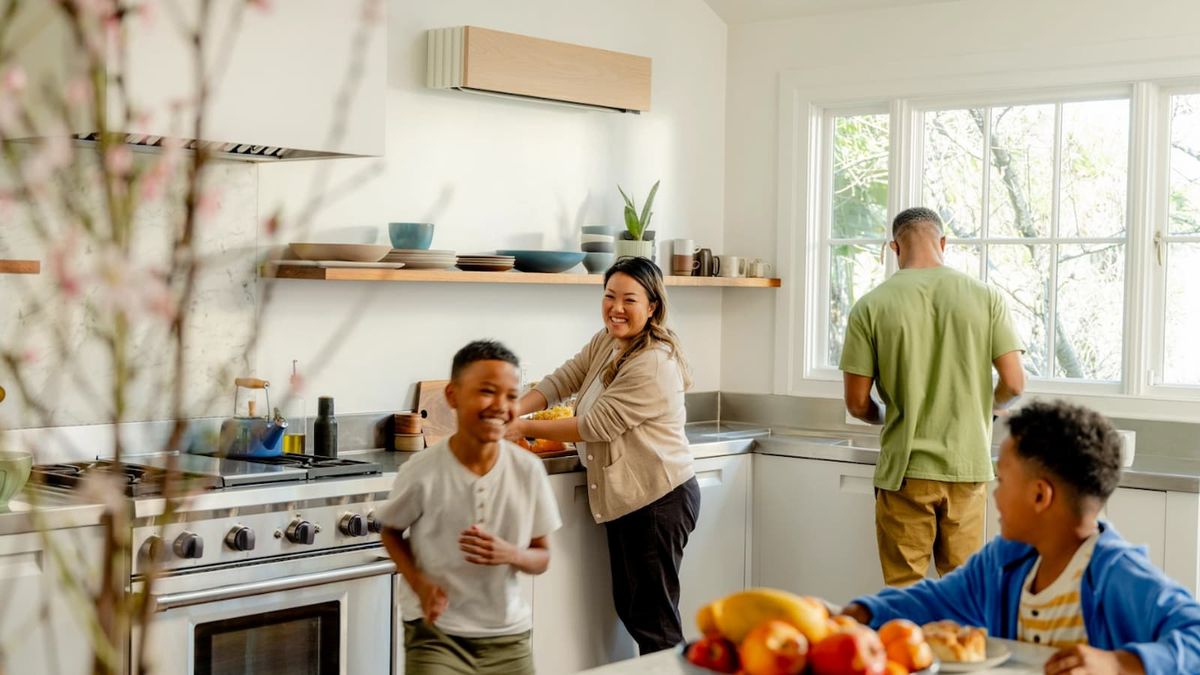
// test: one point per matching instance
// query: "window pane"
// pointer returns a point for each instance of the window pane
(965, 259)
(1091, 291)
(854, 269)
(953, 170)
(1095, 159)
(1181, 363)
(1185, 165)
(860, 176)
(1020, 272)
(1022, 171)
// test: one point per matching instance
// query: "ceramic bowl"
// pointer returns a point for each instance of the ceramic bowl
(411, 235)
(597, 246)
(346, 252)
(14, 471)
(590, 238)
(598, 263)
(601, 229)
(544, 261)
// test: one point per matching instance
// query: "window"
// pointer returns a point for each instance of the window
(1178, 249)
(858, 217)
(1034, 200)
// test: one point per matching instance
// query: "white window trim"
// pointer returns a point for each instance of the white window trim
(804, 98)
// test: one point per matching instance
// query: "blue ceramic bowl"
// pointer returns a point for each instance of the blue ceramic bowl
(411, 235)
(544, 261)
(598, 263)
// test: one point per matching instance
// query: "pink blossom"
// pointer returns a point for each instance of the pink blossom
(14, 80)
(208, 203)
(79, 91)
(261, 5)
(118, 160)
(62, 265)
(158, 298)
(297, 383)
(147, 12)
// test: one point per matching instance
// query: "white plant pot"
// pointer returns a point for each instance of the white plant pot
(634, 249)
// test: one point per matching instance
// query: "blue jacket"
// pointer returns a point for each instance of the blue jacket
(1127, 603)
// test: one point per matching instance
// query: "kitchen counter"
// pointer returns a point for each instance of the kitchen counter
(1027, 659)
(37, 511)
(1149, 472)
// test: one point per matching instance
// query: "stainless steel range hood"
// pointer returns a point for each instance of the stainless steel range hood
(305, 80)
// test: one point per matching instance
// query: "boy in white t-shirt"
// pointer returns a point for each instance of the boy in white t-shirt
(476, 510)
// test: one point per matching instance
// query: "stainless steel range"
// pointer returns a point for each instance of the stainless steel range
(264, 567)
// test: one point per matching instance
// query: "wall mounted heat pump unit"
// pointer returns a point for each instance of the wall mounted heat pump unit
(486, 61)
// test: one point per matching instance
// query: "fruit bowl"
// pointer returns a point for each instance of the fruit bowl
(934, 669)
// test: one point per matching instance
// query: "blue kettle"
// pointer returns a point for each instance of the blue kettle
(252, 436)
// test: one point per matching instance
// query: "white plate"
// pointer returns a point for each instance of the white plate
(428, 265)
(421, 251)
(347, 252)
(339, 263)
(997, 653)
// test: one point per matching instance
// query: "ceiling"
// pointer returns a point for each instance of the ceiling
(746, 11)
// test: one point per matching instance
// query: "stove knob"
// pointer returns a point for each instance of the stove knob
(153, 550)
(301, 532)
(240, 538)
(353, 525)
(373, 524)
(189, 545)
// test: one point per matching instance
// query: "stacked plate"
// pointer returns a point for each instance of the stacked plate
(486, 263)
(420, 259)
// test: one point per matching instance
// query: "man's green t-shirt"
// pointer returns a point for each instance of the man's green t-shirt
(928, 337)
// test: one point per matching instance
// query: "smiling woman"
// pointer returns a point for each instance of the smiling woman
(631, 378)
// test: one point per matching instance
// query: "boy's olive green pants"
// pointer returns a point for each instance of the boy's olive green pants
(429, 651)
(927, 518)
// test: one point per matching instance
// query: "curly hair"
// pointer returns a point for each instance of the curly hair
(481, 350)
(1075, 444)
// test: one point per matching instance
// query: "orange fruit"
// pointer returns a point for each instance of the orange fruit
(900, 630)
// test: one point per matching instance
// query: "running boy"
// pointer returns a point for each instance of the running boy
(476, 510)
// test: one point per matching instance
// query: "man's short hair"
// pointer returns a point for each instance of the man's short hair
(1077, 445)
(481, 350)
(909, 220)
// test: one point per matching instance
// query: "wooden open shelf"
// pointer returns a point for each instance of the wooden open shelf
(511, 277)
(20, 267)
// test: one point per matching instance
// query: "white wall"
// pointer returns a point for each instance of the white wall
(493, 173)
(891, 45)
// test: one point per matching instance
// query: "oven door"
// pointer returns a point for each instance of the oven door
(323, 615)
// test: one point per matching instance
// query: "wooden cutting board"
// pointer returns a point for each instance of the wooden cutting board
(439, 420)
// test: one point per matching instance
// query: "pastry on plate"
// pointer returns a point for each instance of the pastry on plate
(952, 642)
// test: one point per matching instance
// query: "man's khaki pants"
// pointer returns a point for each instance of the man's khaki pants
(927, 517)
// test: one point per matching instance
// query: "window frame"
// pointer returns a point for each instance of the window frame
(808, 97)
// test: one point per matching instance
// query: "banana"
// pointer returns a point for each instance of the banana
(736, 615)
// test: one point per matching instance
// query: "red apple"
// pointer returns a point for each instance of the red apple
(854, 652)
(714, 653)
(774, 648)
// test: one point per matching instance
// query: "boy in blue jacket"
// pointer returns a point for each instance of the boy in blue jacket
(1057, 575)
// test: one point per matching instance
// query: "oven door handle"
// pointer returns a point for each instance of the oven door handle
(166, 601)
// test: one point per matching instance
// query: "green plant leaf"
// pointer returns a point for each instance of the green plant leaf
(633, 224)
(628, 201)
(645, 219)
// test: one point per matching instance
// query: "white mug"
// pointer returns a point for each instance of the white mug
(731, 266)
(758, 269)
(683, 247)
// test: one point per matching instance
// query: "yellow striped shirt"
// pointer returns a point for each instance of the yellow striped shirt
(1053, 616)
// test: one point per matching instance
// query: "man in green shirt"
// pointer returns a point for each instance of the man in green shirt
(928, 338)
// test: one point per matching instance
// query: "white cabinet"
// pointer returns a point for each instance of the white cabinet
(715, 560)
(45, 630)
(574, 624)
(814, 527)
(1140, 516)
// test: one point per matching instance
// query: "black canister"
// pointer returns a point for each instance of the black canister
(325, 429)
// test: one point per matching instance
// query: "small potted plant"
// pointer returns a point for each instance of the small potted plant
(634, 243)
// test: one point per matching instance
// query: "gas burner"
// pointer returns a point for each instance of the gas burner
(140, 480)
(319, 467)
